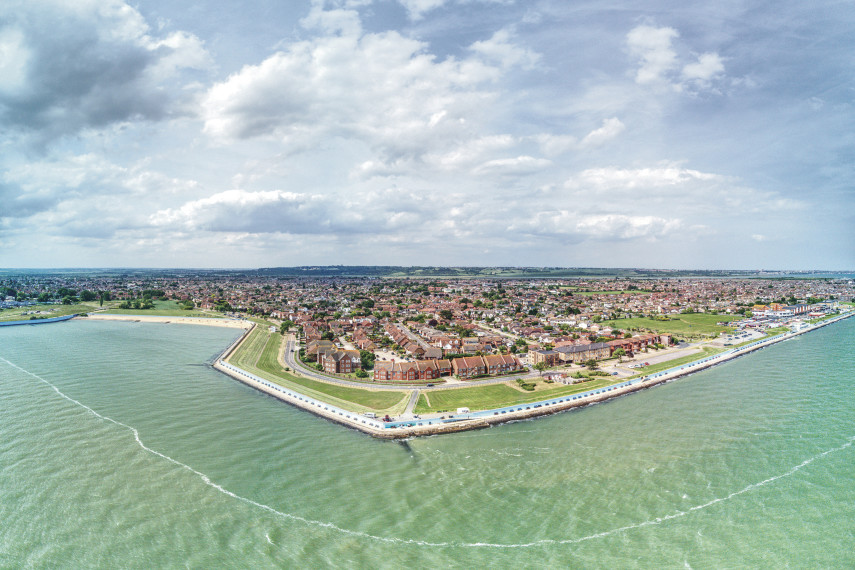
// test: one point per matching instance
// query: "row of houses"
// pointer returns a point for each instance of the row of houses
(490, 364)
(463, 367)
(576, 353)
(411, 371)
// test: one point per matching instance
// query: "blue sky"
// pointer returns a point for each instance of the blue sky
(427, 132)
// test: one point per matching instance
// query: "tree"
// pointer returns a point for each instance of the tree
(87, 295)
(620, 353)
(592, 364)
(366, 357)
(540, 367)
(286, 324)
(361, 373)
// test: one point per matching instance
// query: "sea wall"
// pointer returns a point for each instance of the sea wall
(484, 418)
(37, 321)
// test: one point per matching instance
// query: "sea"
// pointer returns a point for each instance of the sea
(120, 447)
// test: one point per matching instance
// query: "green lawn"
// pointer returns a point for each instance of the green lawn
(259, 355)
(51, 311)
(162, 309)
(694, 324)
(498, 396)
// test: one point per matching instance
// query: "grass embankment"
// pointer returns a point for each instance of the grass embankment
(161, 309)
(820, 319)
(694, 324)
(46, 311)
(259, 354)
(498, 396)
(653, 368)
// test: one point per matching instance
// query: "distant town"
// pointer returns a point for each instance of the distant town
(436, 353)
(421, 329)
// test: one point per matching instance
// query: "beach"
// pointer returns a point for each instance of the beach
(212, 322)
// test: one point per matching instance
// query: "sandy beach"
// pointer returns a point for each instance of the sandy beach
(230, 323)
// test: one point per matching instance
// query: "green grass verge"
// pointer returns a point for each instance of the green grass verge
(498, 396)
(162, 309)
(50, 311)
(686, 325)
(259, 355)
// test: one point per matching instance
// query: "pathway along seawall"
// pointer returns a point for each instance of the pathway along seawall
(485, 418)
(37, 321)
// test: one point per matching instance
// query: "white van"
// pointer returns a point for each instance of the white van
(462, 410)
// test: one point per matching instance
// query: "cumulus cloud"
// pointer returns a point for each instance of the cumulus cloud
(69, 66)
(660, 64)
(611, 178)
(501, 49)
(703, 71)
(610, 129)
(651, 46)
(574, 227)
(380, 88)
(278, 211)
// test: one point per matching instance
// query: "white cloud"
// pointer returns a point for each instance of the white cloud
(516, 165)
(418, 8)
(67, 67)
(611, 178)
(381, 88)
(576, 227)
(610, 129)
(708, 66)
(659, 63)
(499, 48)
(651, 46)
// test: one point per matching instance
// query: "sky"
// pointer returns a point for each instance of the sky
(590, 133)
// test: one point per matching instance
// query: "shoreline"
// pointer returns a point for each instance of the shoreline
(449, 423)
(401, 429)
(211, 322)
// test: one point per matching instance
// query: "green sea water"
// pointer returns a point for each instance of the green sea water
(120, 448)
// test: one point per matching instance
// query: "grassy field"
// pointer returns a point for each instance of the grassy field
(162, 309)
(259, 355)
(694, 324)
(50, 311)
(497, 396)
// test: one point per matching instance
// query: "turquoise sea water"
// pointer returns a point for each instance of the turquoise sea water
(119, 448)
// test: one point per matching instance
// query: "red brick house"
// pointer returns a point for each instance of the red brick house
(468, 366)
(341, 361)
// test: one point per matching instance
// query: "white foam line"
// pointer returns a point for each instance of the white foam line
(394, 540)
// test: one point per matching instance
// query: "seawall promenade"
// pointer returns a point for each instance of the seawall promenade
(484, 418)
